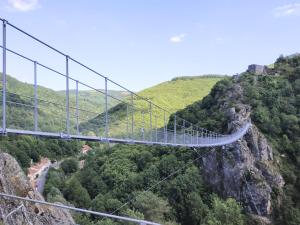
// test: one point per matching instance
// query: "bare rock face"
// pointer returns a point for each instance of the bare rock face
(15, 212)
(245, 170)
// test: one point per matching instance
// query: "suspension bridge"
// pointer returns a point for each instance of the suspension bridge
(141, 125)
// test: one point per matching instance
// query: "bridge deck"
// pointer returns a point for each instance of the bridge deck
(192, 141)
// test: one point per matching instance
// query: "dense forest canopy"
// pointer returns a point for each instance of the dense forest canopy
(137, 181)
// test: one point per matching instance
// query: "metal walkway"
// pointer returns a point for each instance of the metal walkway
(134, 119)
(195, 141)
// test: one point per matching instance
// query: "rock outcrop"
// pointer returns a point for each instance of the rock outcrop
(15, 212)
(244, 170)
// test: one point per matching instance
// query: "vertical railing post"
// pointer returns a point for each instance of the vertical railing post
(77, 109)
(194, 135)
(132, 117)
(165, 129)
(150, 109)
(197, 140)
(175, 129)
(106, 110)
(143, 126)
(35, 98)
(192, 132)
(184, 132)
(4, 79)
(67, 96)
(127, 122)
(208, 137)
(156, 129)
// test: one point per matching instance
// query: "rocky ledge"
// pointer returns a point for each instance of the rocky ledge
(14, 212)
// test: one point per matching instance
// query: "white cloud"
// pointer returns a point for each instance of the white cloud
(287, 10)
(23, 5)
(177, 38)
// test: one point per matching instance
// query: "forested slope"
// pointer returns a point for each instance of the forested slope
(274, 101)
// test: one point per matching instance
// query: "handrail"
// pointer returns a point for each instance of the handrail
(141, 222)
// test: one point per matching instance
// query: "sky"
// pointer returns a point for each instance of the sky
(140, 43)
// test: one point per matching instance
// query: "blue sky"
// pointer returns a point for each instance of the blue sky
(140, 43)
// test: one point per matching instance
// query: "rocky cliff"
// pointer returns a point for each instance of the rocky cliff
(244, 170)
(14, 212)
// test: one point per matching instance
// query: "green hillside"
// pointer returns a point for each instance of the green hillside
(171, 95)
(51, 104)
(92, 100)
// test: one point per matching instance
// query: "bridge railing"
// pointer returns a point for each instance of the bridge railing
(41, 111)
(31, 216)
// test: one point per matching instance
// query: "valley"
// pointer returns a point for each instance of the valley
(252, 181)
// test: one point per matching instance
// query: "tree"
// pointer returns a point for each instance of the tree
(153, 207)
(55, 195)
(196, 208)
(69, 166)
(98, 203)
(184, 196)
(92, 181)
(105, 203)
(168, 164)
(133, 214)
(76, 194)
(224, 212)
(55, 178)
